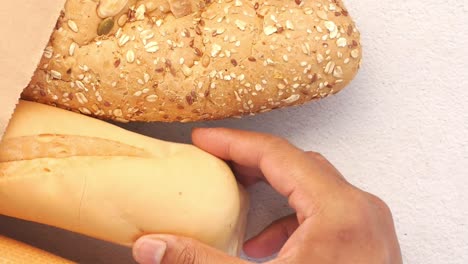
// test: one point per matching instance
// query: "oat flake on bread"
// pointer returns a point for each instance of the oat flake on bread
(193, 60)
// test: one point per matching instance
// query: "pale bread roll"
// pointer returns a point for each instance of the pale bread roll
(188, 60)
(84, 175)
(15, 252)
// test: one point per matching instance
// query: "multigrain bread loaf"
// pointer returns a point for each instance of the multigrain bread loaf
(191, 60)
(81, 174)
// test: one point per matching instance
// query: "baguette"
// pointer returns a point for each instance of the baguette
(81, 174)
(15, 252)
(194, 60)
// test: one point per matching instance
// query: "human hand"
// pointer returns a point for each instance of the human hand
(334, 222)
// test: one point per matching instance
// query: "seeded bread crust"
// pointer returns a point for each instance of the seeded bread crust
(184, 60)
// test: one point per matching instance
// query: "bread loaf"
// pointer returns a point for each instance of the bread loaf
(15, 252)
(192, 60)
(81, 174)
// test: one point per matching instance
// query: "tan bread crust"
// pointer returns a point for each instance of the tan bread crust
(77, 173)
(14, 252)
(188, 60)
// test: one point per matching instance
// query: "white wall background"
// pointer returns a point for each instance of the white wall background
(399, 131)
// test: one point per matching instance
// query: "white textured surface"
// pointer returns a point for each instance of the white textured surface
(399, 131)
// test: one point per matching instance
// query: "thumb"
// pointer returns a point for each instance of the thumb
(166, 249)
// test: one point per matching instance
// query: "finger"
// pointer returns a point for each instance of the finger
(166, 249)
(289, 170)
(325, 163)
(272, 239)
(247, 176)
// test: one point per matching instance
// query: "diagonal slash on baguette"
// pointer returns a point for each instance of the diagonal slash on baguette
(64, 146)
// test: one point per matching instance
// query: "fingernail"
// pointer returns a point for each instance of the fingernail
(150, 251)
